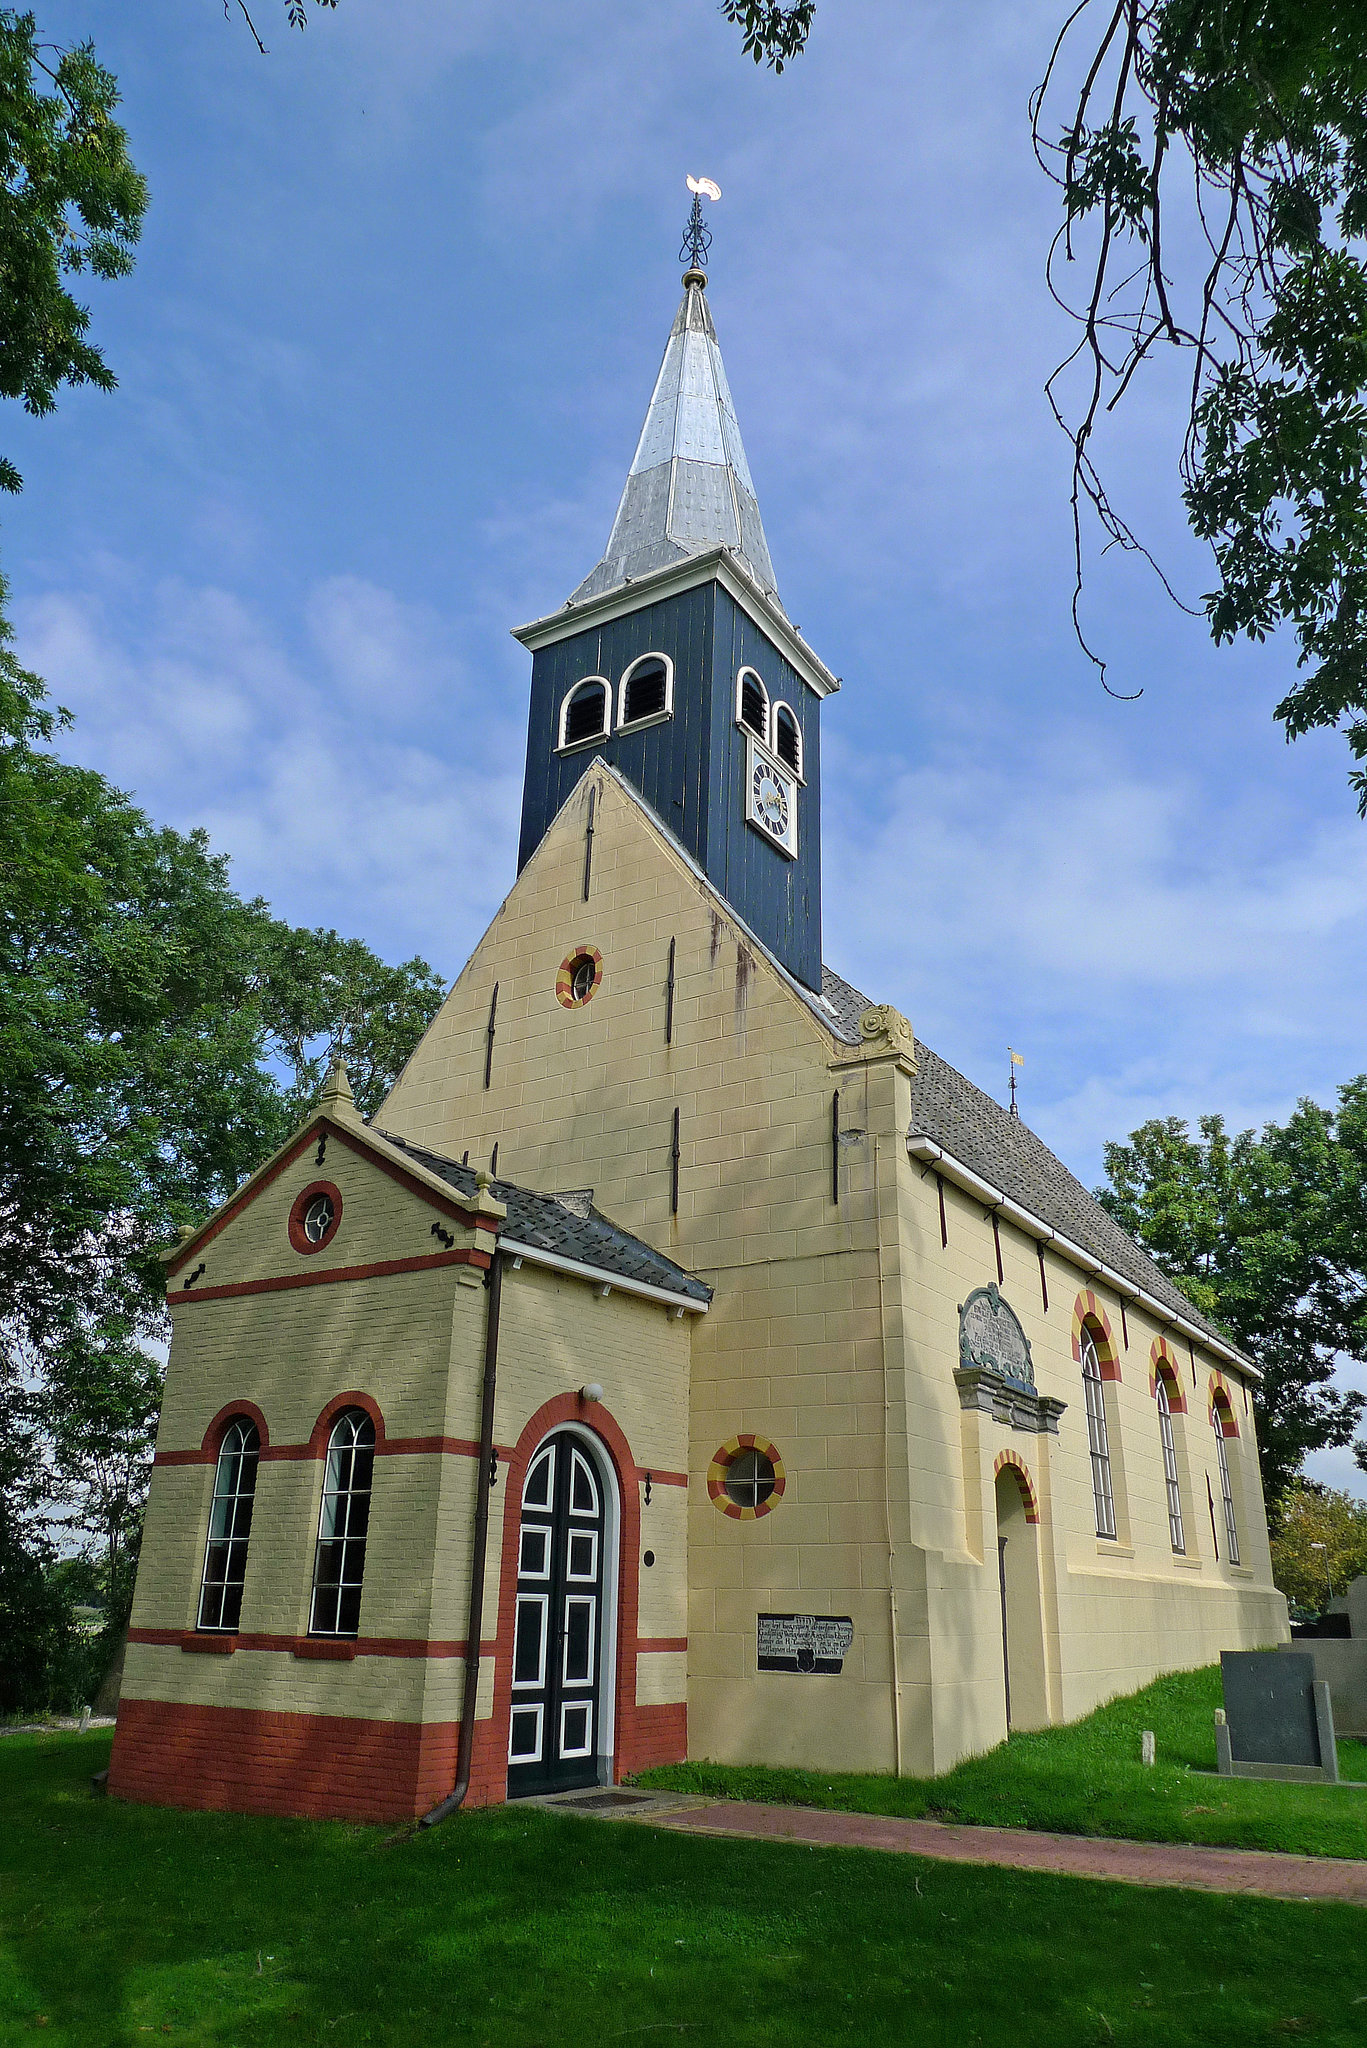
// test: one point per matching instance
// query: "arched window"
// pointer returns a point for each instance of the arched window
(584, 713)
(1170, 1481)
(343, 1522)
(1218, 1415)
(1098, 1437)
(647, 689)
(230, 1526)
(787, 738)
(752, 704)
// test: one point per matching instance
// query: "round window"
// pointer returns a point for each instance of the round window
(314, 1216)
(750, 1478)
(746, 1478)
(581, 973)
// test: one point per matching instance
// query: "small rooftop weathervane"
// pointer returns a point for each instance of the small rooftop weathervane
(697, 235)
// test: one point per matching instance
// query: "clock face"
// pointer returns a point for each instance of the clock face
(770, 800)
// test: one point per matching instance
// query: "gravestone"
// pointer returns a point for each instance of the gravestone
(1277, 1720)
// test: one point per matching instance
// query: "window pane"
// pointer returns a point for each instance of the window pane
(230, 1523)
(1097, 1437)
(343, 1522)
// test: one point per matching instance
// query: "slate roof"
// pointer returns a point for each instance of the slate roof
(1002, 1149)
(689, 486)
(566, 1224)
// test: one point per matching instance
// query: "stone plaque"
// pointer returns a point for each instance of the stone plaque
(804, 1642)
(991, 1338)
(1270, 1708)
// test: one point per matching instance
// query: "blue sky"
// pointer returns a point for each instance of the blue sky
(399, 306)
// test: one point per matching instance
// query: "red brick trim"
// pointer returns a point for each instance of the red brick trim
(1012, 1462)
(325, 1649)
(1088, 1310)
(248, 1639)
(322, 1428)
(1162, 1363)
(648, 1645)
(235, 1411)
(318, 1766)
(661, 1478)
(378, 1269)
(393, 1167)
(1221, 1407)
(302, 1243)
(392, 1447)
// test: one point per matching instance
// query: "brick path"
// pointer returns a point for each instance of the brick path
(1256, 1871)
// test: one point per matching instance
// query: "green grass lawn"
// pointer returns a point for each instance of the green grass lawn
(522, 1929)
(1087, 1779)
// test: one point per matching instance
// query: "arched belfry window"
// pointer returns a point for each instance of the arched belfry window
(1170, 1479)
(752, 704)
(230, 1526)
(1098, 1437)
(343, 1524)
(787, 738)
(584, 713)
(647, 689)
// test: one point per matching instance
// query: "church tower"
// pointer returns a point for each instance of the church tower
(675, 661)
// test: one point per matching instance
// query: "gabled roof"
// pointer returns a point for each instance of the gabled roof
(566, 1225)
(689, 486)
(1005, 1152)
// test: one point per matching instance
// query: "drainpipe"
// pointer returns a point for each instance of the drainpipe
(474, 1628)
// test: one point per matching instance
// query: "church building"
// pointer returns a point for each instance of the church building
(685, 1361)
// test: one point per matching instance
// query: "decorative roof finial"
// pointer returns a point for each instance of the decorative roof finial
(697, 235)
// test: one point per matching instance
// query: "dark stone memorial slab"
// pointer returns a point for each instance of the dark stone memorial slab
(804, 1642)
(1277, 1721)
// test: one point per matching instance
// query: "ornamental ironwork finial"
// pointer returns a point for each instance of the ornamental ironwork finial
(697, 235)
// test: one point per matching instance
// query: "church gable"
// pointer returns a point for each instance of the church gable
(685, 1045)
(332, 1204)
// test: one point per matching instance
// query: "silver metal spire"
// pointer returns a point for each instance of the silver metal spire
(689, 487)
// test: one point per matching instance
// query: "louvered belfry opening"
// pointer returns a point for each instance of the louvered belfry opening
(754, 709)
(586, 717)
(787, 740)
(647, 688)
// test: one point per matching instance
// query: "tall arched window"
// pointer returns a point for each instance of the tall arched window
(230, 1526)
(1217, 1416)
(647, 689)
(787, 738)
(1170, 1480)
(1098, 1437)
(584, 713)
(343, 1523)
(752, 704)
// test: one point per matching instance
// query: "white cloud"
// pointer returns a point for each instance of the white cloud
(361, 779)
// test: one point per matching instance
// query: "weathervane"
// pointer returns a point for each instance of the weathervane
(1017, 1060)
(697, 235)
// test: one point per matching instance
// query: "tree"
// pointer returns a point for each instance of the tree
(1237, 129)
(1319, 1546)
(70, 201)
(1267, 1235)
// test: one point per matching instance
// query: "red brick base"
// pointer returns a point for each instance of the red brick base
(327, 1767)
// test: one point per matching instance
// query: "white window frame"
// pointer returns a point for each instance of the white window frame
(238, 1428)
(1226, 1488)
(651, 717)
(564, 746)
(761, 737)
(1171, 1478)
(782, 704)
(1098, 1437)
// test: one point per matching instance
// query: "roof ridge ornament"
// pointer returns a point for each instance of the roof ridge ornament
(697, 238)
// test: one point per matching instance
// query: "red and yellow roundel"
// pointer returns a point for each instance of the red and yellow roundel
(580, 976)
(756, 1485)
